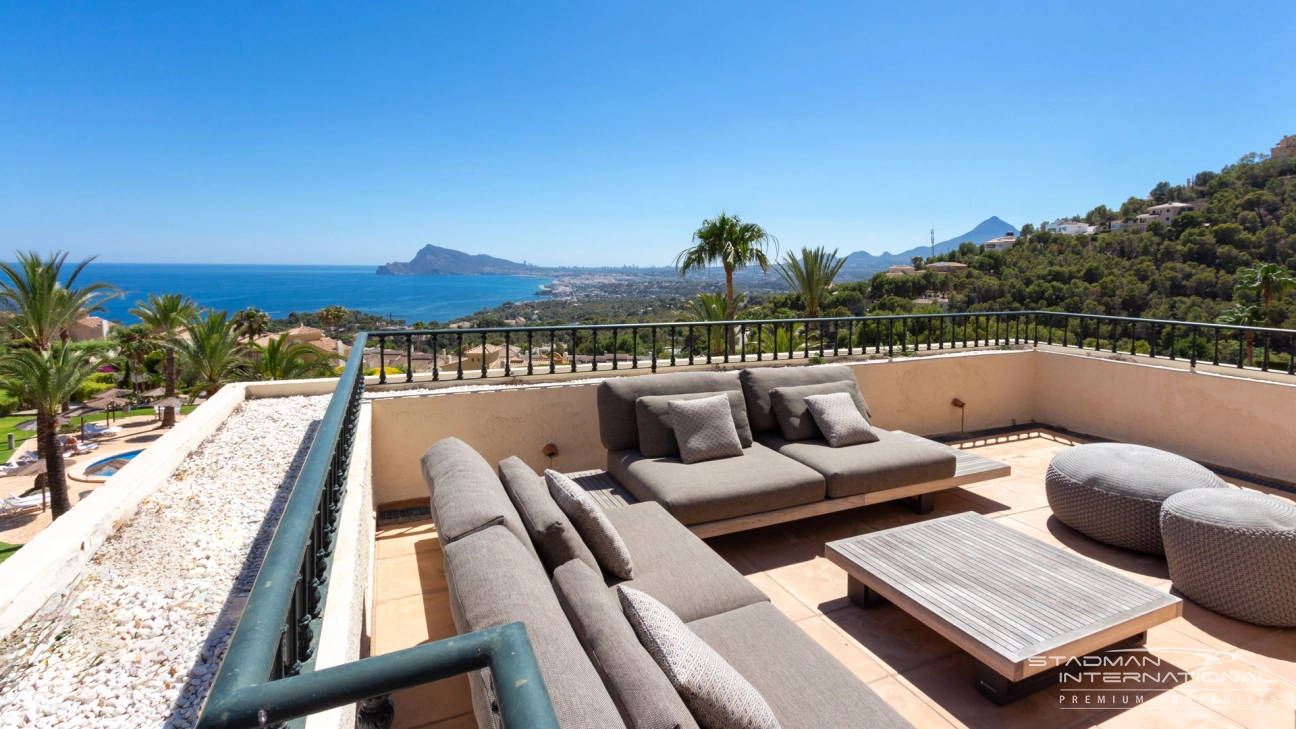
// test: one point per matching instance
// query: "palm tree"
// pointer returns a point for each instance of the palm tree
(166, 315)
(211, 354)
(41, 305)
(133, 344)
(711, 307)
(728, 241)
(779, 338)
(252, 322)
(331, 316)
(1268, 280)
(812, 275)
(283, 359)
(1244, 315)
(45, 379)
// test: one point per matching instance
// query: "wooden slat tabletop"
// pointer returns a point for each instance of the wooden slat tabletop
(986, 585)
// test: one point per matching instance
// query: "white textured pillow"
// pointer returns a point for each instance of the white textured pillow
(718, 696)
(592, 524)
(704, 429)
(839, 419)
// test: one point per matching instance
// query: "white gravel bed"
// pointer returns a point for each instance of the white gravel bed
(139, 642)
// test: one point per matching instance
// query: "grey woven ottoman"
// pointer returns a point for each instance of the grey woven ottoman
(1233, 552)
(1113, 491)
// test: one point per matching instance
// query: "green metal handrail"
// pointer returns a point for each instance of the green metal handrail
(267, 676)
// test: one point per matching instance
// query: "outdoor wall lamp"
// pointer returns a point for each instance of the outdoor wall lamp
(550, 451)
(962, 412)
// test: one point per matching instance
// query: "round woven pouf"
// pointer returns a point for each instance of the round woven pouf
(1233, 552)
(1113, 491)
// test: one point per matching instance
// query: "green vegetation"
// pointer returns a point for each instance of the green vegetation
(8, 550)
(165, 315)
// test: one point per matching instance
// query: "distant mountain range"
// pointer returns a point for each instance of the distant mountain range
(436, 261)
(862, 262)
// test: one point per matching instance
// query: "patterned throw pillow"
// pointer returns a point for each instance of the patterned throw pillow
(704, 429)
(592, 524)
(839, 419)
(718, 696)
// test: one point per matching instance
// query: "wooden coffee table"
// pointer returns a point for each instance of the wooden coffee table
(1021, 607)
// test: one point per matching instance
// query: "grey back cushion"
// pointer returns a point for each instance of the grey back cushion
(640, 689)
(591, 523)
(492, 583)
(758, 381)
(840, 420)
(657, 437)
(553, 534)
(704, 429)
(793, 415)
(465, 494)
(618, 424)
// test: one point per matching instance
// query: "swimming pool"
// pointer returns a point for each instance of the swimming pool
(112, 464)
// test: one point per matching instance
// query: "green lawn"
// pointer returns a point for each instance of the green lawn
(8, 422)
(8, 550)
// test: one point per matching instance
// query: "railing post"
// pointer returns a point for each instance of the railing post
(459, 343)
(634, 348)
(409, 357)
(376, 712)
(572, 351)
(382, 360)
(436, 359)
(508, 355)
(530, 351)
(654, 349)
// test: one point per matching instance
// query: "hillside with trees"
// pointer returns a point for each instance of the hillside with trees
(1194, 269)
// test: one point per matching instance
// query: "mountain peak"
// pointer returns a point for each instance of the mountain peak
(434, 260)
(863, 262)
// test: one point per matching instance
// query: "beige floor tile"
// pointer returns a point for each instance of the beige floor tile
(866, 666)
(785, 601)
(411, 621)
(818, 583)
(898, 640)
(949, 686)
(1215, 630)
(1275, 653)
(417, 572)
(1014, 500)
(1172, 712)
(909, 705)
(1011, 521)
(466, 721)
(434, 702)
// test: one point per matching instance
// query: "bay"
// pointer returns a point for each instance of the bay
(279, 290)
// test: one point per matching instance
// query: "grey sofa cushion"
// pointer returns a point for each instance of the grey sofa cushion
(466, 495)
(757, 481)
(758, 381)
(618, 426)
(552, 533)
(704, 429)
(492, 583)
(805, 686)
(719, 696)
(895, 460)
(676, 567)
(793, 414)
(657, 437)
(641, 691)
(592, 525)
(839, 419)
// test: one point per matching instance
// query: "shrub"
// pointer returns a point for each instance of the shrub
(90, 388)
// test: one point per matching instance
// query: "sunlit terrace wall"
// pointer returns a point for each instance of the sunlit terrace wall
(1240, 422)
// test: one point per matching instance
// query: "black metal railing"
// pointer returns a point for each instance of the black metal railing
(461, 354)
(268, 675)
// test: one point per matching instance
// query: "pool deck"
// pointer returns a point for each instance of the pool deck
(137, 433)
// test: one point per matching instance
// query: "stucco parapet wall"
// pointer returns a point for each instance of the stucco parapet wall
(46, 569)
(514, 417)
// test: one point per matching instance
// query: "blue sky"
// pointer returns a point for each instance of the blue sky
(603, 133)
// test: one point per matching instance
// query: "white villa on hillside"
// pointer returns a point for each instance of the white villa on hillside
(1071, 227)
(1002, 243)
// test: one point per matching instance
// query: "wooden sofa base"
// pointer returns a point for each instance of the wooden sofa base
(827, 506)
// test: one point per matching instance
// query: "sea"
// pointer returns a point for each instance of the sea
(281, 290)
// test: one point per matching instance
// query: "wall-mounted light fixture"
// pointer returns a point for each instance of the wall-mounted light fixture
(550, 451)
(962, 412)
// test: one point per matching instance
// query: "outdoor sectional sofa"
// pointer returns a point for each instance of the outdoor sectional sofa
(775, 479)
(511, 555)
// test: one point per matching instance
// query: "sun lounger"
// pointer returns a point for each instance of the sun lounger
(19, 504)
(94, 430)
